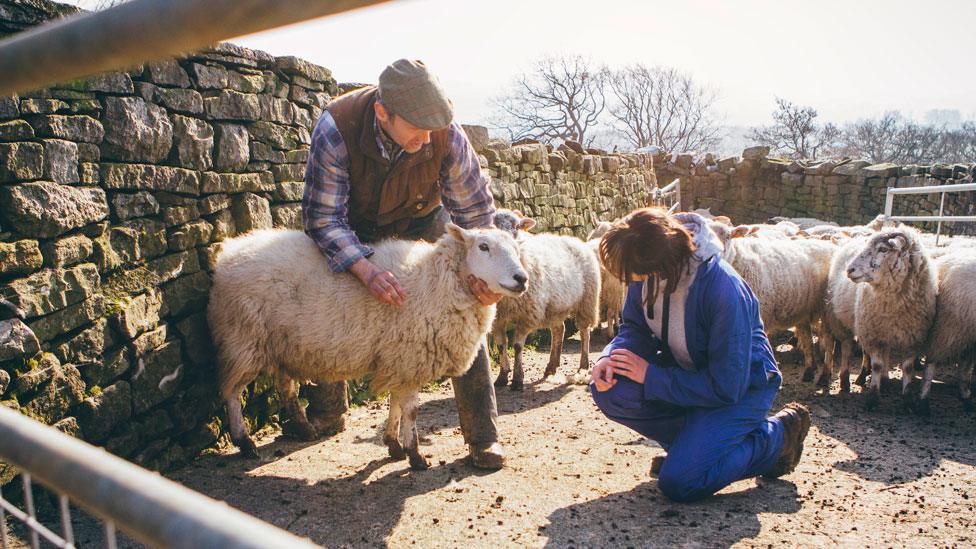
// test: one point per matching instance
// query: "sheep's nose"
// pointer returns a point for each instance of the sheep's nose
(520, 278)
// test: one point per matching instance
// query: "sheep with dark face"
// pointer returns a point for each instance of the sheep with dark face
(276, 307)
(895, 304)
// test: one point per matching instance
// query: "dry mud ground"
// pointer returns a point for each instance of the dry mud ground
(574, 479)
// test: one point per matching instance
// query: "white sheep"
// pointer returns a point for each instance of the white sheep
(565, 276)
(895, 306)
(276, 307)
(953, 335)
(789, 277)
(802, 222)
(838, 317)
(613, 292)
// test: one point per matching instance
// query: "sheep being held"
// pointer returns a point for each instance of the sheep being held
(276, 307)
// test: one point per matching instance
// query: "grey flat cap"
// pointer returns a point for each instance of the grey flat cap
(411, 91)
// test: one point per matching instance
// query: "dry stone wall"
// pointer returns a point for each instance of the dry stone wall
(754, 187)
(115, 194)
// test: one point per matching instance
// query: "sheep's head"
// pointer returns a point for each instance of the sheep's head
(887, 254)
(493, 256)
(511, 221)
(602, 228)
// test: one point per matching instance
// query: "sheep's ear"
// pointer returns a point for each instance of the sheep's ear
(517, 212)
(742, 230)
(723, 219)
(802, 233)
(457, 233)
(526, 223)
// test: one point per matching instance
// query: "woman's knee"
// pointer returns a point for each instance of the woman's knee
(680, 485)
(616, 402)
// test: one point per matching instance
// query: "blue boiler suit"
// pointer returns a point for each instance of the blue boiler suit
(713, 420)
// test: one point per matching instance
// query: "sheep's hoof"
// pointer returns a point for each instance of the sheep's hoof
(808, 374)
(393, 447)
(248, 449)
(301, 430)
(923, 408)
(417, 461)
(871, 399)
(550, 370)
(501, 380)
(517, 385)
(823, 380)
(862, 379)
(845, 383)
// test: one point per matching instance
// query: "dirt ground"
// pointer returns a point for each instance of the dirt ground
(574, 479)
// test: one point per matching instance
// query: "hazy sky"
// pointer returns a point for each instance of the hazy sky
(849, 59)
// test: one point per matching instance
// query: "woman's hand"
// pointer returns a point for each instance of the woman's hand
(602, 374)
(628, 364)
(480, 290)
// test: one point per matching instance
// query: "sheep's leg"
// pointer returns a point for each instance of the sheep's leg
(584, 363)
(294, 421)
(556, 333)
(862, 378)
(392, 429)
(408, 431)
(518, 374)
(238, 430)
(907, 368)
(501, 343)
(846, 354)
(966, 383)
(873, 393)
(804, 340)
(922, 408)
(826, 372)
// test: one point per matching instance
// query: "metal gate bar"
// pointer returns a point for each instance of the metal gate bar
(671, 193)
(150, 30)
(942, 189)
(153, 510)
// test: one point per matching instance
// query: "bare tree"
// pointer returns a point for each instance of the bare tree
(893, 138)
(561, 99)
(662, 106)
(796, 133)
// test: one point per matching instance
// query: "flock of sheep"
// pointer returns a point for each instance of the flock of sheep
(275, 307)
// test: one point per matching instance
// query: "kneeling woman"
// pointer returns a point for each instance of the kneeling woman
(691, 367)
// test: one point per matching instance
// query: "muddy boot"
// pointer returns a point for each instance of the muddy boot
(488, 456)
(656, 463)
(327, 406)
(795, 418)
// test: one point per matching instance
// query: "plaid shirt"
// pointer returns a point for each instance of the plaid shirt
(464, 191)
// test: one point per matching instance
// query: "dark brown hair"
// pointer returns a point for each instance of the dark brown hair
(647, 242)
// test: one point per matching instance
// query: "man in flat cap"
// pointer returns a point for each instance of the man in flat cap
(387, 161)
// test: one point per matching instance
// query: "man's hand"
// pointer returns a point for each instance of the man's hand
(382, 284)
(628, 365)
(602, 374)
(480, 290)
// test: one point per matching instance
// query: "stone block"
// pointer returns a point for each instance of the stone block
(186, 294)
(223, 225)
(180, 100)
(79, 128)
(288, 172)
(197, 343)
(67, 251)
(55, 398)
(112, 366)
(135, 131)
(21, 161)
(755, 153)
(477, 136)
(17, 341)
(289, 191)
(275, 109)
(9, 107)
(15, 130)
(237, 182)
(85, 347)
(208, 256)
(138, 177)
(158, 379)
(50, 290)
(168, 73)
(139, 314)
(69, 318)
(291, 65)
(232, 105)
(193, 141)
(61, 161)
(45, 210)
(20, 258)
(232, 151)
(172, 266)
(109, 82)
(127, 206)
(288, 216)
(101, 414)
(190, 235)
(279, 136)
(148, 341)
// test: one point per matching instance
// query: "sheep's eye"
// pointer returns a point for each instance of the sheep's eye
(483, 247)
(883, 249)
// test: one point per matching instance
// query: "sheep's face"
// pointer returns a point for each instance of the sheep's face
(511, 221)
(493, 256)
(601, 229)
(885, 254)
